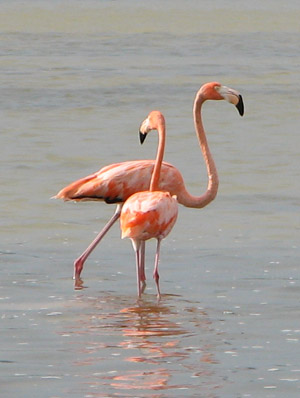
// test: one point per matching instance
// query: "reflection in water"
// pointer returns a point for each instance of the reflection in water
(146, 346)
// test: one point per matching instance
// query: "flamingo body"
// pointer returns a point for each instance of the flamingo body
(117, 182)
(147, 215)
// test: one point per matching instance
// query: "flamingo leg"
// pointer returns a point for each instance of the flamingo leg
(142, 265)
(79, 262)
(137, 246)
(155, 273)
(138, 272)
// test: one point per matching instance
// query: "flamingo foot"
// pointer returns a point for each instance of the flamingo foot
(78, 284)
(78, 267)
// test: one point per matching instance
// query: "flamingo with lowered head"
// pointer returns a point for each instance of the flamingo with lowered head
(117, 182)
(149, 214)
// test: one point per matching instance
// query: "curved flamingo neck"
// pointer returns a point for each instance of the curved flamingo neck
(213, 179)
(154, 183)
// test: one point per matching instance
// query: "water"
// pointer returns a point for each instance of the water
(77, 78)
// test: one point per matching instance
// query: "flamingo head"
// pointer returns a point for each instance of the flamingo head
(216, 91)
(153, 121)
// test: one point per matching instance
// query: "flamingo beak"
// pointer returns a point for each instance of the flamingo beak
(142, 137)
(240, 105)
(233, 97)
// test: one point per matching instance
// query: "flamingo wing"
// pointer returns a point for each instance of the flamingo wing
(117, 182)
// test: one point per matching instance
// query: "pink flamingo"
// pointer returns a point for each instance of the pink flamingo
(149, 214)
(117, 182)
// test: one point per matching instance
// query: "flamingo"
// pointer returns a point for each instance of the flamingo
(149, 214)
(117, 182)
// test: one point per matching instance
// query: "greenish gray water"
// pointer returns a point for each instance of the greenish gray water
(77, 78)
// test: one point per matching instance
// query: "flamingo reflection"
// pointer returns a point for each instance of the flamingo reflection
(142, 347)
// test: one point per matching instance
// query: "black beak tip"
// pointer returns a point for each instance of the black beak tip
(240, 106)
(142, 137)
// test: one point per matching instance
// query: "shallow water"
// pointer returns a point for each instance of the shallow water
(76, 81)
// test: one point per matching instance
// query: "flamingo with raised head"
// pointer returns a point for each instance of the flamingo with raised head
(117, 182)
(149, 214)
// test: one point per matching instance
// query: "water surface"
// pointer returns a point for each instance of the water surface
(76, 81)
